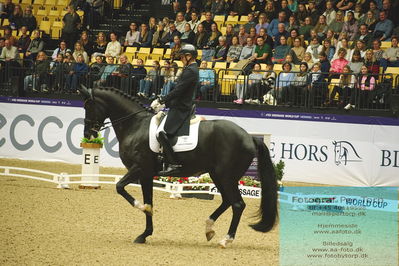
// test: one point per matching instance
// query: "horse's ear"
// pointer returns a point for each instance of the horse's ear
(87, 93)
(334, 142)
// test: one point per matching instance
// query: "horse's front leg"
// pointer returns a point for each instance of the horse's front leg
(131, 176)
(147, 188)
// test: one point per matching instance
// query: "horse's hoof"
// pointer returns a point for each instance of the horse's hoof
(210, 235)
(227, 240)
(139, 240)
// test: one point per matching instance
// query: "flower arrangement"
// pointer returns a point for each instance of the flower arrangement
(98, 140)
(205, 178)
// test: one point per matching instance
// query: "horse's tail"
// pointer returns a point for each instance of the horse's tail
(268, 205)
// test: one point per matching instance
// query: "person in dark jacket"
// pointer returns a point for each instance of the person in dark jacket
(29, 20)
(77, 73)
(39, 76)
(179, 101)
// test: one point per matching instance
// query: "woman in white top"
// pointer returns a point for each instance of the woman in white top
(314, 49)
(114, 47)
(180, 22)
(79, 50)
(132, 36)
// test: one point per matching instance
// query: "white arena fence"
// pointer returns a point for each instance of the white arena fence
(63, 180)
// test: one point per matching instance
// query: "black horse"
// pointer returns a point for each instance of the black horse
(224, 150)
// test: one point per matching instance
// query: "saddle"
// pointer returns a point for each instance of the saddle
(180, 143)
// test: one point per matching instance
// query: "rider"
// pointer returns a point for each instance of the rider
(179, 101)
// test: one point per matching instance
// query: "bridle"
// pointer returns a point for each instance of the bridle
(101, 126)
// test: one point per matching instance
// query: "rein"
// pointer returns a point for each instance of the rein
(104, 126)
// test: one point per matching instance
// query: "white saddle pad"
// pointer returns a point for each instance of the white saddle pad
(184, 143)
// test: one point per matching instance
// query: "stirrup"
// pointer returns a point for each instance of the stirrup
(171, 170)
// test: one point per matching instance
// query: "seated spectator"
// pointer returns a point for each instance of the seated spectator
(284, 7)
(148, 82)
(80, 51)
(16, 18)
(56, 73)
(188, 35)
(221, 50)
(206, 80)
(262, 53)
(171, 33)
(138, 73)
(61, 49)
(338, 24)
(281, 51)
(304, 31)
(321, 27)
(218, 7)
(330, 13)
(292, 24)
(248, 50)
(145, 37)
(361, 47)
(121, 76)
(390, 58)
(100, 45)
(8, 60)
(170, 79)
(318, 89)
(347, 81)
(272, 29)
(281, 32)
(194, 22)
(38, 75)
(378, 52)
(307, 58)
(114, 47)
(324, 63)
(132, 36)
(366, 84)
(251, 22)
(253, 91)
(76, 75)
(350, 26)
(242, 35)
(370, 21)
(364, 35)
(229, 34)
(331, 37)
(328, 49)
(288, 59)
(106, 73)
(2, 44)
(383, 29)
(8, 8)
(314, 49)
(86, 43)
(292, 5)
(174, 54)
(207, 23)
(372, 65)
(24, 40)
(96, 70)
(201, 37)
(234, 51)
(8, 35)
(337, 65)
(314, 13)
(180, 22)
(239, 7)
(293, 34)
(299, 86)
(284, 80)
(343, 43)
(36, 45)
(28, 19)
(267, 39)
(188, 10)
(152, 25)
(271, 11)
(252, 34)
(298, 52)
(213, 41)
(302, 13)
(159, 35)
(262, 22)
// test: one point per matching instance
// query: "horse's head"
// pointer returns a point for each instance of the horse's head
(94, 116)
(337, 152)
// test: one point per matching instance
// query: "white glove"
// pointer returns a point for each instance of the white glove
(157, 106)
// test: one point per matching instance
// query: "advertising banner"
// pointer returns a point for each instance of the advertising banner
(328, 149)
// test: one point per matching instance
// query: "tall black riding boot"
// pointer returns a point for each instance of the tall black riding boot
(173, 164)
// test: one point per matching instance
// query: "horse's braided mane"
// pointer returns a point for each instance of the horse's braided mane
(129, 97)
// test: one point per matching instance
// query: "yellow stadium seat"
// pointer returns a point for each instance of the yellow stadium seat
(167, 53)
(63, 13)
(40, 14)
(54, 13)
(385, 45)
(45, 26)
(148, 64)
(5, 22)
(220, 65)
(223, 30)
(157, 53)
(50, 3)
(143, 53)
(333, 82)
(62, 3)
(232, 20)
(199, 54)
(38, 2)
(26, 2)
(55, 33)
(179, 63)
(243, 20)
(278, 68)
(394, 71)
